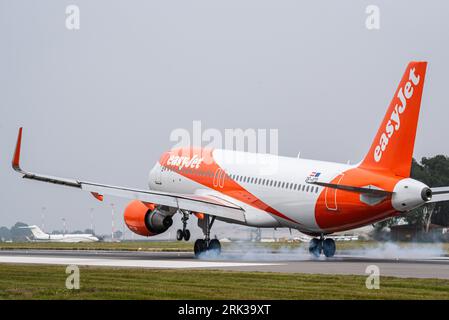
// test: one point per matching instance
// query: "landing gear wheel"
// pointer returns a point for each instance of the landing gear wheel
(207, 245)
(329, 247)
(315, 247)
(214, 246)
(186, 235)
(179, 235)
(199, 247)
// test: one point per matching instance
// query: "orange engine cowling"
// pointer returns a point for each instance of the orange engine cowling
(145, 219)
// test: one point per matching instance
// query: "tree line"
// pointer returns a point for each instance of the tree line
(434, 172)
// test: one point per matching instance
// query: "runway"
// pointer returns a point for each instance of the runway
(430, 267)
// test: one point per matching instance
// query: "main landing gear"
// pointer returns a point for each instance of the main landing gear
(206, 245)
(184, 233)
(321, 245)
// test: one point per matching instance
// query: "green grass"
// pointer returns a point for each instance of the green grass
(48, 282)
(126, 246)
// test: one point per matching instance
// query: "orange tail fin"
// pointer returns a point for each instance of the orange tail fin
(392, 148)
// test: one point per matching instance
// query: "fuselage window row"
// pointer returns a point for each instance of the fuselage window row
(245, 179)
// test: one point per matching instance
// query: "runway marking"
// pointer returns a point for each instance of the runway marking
(158, 264)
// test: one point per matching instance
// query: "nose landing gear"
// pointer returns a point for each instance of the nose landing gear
(321, 245)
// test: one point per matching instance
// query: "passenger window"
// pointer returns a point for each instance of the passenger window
(307, 189)
(303, 187)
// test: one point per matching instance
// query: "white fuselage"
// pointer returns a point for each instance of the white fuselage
(297, 202)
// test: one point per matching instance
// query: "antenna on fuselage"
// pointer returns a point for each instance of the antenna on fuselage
(299, 155)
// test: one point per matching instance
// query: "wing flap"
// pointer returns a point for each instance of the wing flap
(193, 203)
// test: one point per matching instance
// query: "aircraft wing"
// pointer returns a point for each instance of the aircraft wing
(440, 194)
(196, 203)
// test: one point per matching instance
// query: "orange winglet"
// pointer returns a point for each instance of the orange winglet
(97, 196)
(200, 216)
(16, 158)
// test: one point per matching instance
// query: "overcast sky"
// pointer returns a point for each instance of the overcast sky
(99, 103)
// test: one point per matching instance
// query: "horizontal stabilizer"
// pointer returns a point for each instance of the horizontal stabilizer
(440, 194)
(365, 190)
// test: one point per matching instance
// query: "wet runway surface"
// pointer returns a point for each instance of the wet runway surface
(428, 267)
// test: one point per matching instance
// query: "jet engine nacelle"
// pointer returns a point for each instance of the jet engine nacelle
(146, 219)
(410, 194)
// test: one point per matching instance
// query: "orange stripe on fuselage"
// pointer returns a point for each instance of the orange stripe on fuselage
(198, 164)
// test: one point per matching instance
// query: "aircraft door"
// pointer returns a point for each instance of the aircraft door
(331, 195)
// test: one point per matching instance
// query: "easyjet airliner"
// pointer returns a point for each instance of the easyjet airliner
(314, 197)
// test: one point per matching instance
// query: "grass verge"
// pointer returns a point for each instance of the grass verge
(156, 246)
(48, 282)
